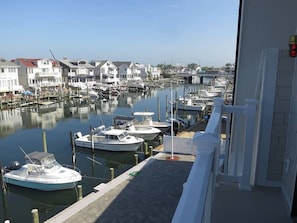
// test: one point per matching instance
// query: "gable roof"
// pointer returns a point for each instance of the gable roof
(28, 62)
(76, 63)
(4, 63)
(119, 63)
(33, 62)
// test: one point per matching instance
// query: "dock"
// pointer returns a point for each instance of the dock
(148, 192)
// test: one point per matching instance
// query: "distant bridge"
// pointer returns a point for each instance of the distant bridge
(205, 74)
(189, 76)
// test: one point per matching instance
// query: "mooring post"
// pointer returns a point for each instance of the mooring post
(151, 150)
(166, 106)
(159, 115)
(73, 149)
(79, 191)
(136, 158)
(44, 142)
(111, 173)
(35, 216)
(145, 148)
(2, 182)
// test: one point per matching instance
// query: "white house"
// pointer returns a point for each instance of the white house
(105, 71)
(154, 72)
(39, 73)
(9, 81)
(126, 70)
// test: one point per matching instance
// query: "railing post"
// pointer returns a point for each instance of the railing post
(250, 112)
(214, 123)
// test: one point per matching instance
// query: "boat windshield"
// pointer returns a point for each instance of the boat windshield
(51, 165)
(123, 135)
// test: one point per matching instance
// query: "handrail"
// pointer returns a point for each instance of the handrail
(195, 202)
(196, 188)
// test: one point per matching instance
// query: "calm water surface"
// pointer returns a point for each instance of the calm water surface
(24, 127)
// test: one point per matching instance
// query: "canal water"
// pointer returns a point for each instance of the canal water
(23, 128)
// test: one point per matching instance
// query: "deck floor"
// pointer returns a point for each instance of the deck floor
(258, 206)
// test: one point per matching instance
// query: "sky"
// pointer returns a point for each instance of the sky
(176, 32)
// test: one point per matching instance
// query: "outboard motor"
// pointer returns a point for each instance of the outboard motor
(78, 135)
(14, 165)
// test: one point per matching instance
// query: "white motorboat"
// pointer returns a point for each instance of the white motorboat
(41, 171)
(188, 104)
(109, 139)
(203, 93)
(147, 120)
(128, 123)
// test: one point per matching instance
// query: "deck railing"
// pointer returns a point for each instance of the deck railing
(210, 164)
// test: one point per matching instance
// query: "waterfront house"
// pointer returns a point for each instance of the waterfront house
(39, 73)
(77, 72)
(126, 70)
(9, 80)
(105, 71)
(147, 72)
(154, 72)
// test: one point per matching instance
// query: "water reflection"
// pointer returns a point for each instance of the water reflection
(24, 127)
(47, 198)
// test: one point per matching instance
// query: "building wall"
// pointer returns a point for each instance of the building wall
(264, 25)
(281, 110)
(290, 161)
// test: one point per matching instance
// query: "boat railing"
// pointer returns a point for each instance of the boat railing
(213, 160)
(71, 167)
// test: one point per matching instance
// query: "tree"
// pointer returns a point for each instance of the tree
(192, 66)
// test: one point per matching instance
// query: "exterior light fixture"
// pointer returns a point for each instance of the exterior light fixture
(293, 46)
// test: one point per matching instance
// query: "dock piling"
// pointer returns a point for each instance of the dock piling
(145, 148)
(2, 182)
(73, 149)
(79, 192)
(136, 158)
(44, 142)
(35, 216)
(151, 150)
(158, 104)
(111, 173)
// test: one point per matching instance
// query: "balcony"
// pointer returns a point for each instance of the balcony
(214, 191)
(48, 74)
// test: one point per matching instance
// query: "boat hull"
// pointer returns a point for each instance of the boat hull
(189, 107)
(146, 135)
(116, 147)
(61, 179)
(40, 186)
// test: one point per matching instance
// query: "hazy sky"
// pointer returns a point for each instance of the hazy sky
(143, 31)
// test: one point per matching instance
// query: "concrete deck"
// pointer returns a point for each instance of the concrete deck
(258, 206)
(149, 192)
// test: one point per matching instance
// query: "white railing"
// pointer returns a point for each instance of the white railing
(195, 202)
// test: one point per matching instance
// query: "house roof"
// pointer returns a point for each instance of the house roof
(119, 63)
(33, 62)
(75, 63)
(4, 63)
(28, 62)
